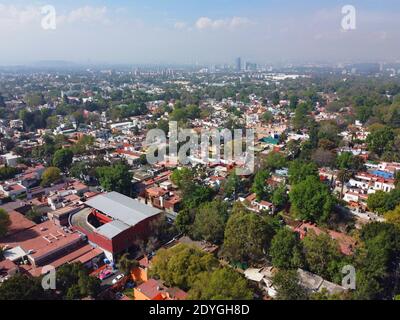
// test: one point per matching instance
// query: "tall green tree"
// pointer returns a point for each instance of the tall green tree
(210, 221)
(275, 160)
(280, 196)
(181, 265)
(381, 140)
(22, 287)
(74, 282)
(62, 158)
(311, 200)
(115, 178)
(50, 175)
(247, 237)
(125, 264)
(377, 261)
(301, 117)
(184, 220)
(184, 179)
(288, 286)
(286, 250)
(199, 195)
(322, 255)
(299, 171)
(343, 176)
(8, 173)
(347, 161)
(267, 117)
(393, 216)
(260, 186)
(377, 202)
(222, 284)
(232, 185)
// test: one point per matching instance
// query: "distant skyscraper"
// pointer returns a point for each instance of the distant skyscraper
(238, 64)
(249, 66)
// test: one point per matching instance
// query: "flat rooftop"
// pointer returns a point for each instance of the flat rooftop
(41, 240)
(18, 223)
(83, 255)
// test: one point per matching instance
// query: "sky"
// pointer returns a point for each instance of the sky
(199, 31)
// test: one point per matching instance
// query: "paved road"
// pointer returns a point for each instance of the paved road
(79, 219)
(370, 216)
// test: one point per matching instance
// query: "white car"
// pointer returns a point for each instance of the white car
(118, 278)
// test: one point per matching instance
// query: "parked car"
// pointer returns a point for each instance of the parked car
(106, 274)
(130, 285)
(118, 278)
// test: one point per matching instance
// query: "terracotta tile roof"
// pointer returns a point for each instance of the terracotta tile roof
(18, 223)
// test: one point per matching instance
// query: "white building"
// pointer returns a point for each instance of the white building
(10, 159)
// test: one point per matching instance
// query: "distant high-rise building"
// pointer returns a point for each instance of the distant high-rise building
(238, 64)
(249, 66)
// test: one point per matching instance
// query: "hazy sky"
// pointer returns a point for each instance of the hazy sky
(204, 31)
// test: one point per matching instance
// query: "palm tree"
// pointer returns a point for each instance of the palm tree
(344, 176)
(125, 264)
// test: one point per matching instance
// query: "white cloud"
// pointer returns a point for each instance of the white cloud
(86, 14)
(229, 23)
(180, 25)
(11, 15)
(237, 22)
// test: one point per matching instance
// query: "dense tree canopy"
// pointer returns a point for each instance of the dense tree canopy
(299, 171)
(377, 261)
(311, 200)
(286, 250)
(232, 185)
(126, 264)
(247, 237)
(22, 287)
(347, 161)
(183, 179)
(181, 265)
(280, 196)
(222, 284)
(382, 202)
(62, 159)
(288, 286)
(322, 255)
(210, 221)
(51, 175)
(115, 178)
(74, 282)
(275, 160)
(393, 216)
(381, 140)
(8, 173)
(260, 186)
